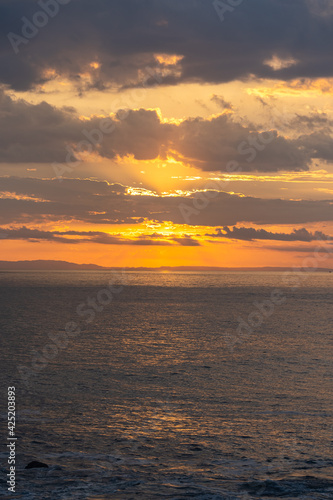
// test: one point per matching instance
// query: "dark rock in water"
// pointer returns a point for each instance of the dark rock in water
(35, 465)
(195, 448)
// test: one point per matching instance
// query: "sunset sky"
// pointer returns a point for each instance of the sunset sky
(166, 132)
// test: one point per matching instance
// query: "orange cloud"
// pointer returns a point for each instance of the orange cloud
(304, 87)
(168, 59)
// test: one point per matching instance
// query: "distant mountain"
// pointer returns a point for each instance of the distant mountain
(46, 265)
(60, 265)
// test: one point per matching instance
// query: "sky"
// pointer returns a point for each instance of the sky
(167, 132)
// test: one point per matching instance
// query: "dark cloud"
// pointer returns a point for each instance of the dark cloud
(318, 144)
(42, 133)
(35, 133)
(69, 190)
(75, 237)
(250, 234)
(221, 102)
(125, 35)
(312, 121)
(211, 144)
(187, 241)
(48, 200)
(45, 134)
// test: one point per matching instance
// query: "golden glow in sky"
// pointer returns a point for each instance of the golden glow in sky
(142, 149)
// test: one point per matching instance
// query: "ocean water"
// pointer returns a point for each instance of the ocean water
(156, 391)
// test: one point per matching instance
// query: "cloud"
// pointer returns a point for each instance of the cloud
(187, 241)
(35, 201)
(42, 133)
(35, 133)
(323, 251)
(250, 234)
(211, 144)
(318, 144)
(76, 237)
(126, 36)
(220, 101)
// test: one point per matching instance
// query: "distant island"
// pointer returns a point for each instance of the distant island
(59, 265)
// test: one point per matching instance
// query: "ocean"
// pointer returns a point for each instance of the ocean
(168, 385)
